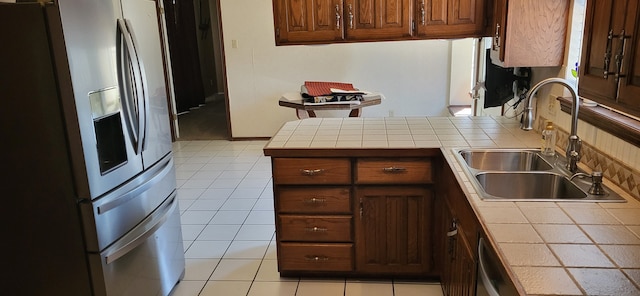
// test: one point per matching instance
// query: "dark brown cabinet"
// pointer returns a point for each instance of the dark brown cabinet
(609, 66)
(458, 235)
(313, 214)
(450, 18)
(392, 230)
(367, 214)
(459, 266)
(377, 19)
(393, 215)
(308, 21)
(329, 21)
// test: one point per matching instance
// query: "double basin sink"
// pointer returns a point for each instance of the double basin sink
(526, 175)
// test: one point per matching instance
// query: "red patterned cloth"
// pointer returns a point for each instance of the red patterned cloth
(318, 88)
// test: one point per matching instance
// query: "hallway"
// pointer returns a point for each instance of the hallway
(209, 122)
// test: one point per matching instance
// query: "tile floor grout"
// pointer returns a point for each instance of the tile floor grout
(226, 205)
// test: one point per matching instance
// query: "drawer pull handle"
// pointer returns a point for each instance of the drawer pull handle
(393, 170)
(307, 172)
(315, 200)
(316, 258)
(316, 229)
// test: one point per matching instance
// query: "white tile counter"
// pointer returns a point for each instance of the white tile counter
(549, 248)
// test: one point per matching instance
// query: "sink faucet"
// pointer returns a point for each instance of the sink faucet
(575, 144)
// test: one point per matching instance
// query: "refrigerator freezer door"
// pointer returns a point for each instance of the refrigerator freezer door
(149, 260)
(113, 215)
(141, 18)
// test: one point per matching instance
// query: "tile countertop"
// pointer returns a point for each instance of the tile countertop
(549, 248)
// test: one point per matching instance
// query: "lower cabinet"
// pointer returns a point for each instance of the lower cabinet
(392, 227)
(458, 235)
(315, 257)
(459, 264)
(360, 215)
(374, 213)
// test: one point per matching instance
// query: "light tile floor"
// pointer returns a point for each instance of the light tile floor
(226, 203)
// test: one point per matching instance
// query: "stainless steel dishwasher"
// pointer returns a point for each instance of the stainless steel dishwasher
(492, 280)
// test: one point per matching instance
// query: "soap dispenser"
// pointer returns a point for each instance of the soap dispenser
(548, 140)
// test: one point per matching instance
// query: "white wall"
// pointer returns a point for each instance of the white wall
(462, 61)
(413, 75)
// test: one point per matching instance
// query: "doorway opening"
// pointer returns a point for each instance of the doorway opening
(197, 59)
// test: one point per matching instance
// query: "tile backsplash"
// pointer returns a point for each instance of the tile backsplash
(612, 167)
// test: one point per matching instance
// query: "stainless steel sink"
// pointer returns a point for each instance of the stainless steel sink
(505, 160)
(525, 175)
(529, 185)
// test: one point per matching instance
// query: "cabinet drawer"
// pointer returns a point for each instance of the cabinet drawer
(393, 171)
(317, 200)
(315, 257)
(315, 228)
(311, 171)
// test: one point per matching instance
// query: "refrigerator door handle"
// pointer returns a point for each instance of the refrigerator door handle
(153, 222)
(131, 90)
(144, 103)
(158, 176)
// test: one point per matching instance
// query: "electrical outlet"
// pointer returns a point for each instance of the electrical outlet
(392, 113)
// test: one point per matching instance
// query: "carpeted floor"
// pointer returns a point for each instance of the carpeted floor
(208, 122)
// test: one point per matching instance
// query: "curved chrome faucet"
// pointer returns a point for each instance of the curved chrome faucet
(575, 144)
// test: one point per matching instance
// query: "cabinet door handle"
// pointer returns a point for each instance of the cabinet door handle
(313, 172)
(620, 56)
(607, 55)
(315, 200)
(361, 208)
(423, 14)
(316, 229)
(350, 16)
(496, 38)
(393, 169)
(314, 258)
(337, 17)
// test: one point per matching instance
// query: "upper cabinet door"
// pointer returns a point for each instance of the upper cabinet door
(308, 21)
(377, 19)
(629, 73)
(437, 18)
(529, 33)
(609, 67)
(599, 49)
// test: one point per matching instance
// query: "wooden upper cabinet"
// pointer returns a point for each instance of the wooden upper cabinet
(529, 33)
(378, 19)
(609, 66)
(308, 21)
(450, 18)
(330, 21)
(629, 86)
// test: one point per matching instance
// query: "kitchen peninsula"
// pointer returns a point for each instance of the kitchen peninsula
(333, 208)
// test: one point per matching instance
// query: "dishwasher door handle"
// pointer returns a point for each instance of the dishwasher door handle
(482, 269)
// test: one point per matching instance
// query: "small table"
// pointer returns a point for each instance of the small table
(306, 111)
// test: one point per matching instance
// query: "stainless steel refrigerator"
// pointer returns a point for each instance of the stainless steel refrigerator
(89, 188)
